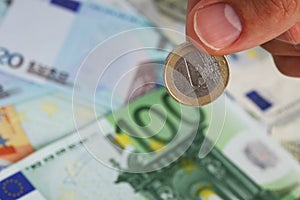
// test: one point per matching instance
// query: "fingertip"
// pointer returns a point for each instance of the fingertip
(223, 28)
(214, 27)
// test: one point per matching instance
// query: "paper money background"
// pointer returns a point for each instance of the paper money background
(80, 121)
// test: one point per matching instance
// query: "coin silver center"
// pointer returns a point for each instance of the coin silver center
(200, 71)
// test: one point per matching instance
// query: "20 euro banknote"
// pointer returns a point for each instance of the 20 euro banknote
(58, 36)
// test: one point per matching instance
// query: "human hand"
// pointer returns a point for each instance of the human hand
(221, 27)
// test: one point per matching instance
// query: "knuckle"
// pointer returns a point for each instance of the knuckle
(285, 8)
(276, 11)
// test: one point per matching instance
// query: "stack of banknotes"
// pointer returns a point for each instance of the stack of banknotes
(84, 114)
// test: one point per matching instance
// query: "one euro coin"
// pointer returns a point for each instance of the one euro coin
(195, 78)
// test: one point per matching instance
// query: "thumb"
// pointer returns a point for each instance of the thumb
(226, 26)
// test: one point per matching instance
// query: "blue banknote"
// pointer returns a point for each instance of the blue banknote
(60, 35)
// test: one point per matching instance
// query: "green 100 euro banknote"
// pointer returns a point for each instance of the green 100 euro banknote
(151, 149)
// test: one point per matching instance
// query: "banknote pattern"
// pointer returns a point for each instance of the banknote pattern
(4, 5)
(159, 19)
(257, 158)
(189, 177)
(13, 90)
(82, 32)
(14, 142)
(14, 185)
(175, 9)
(21, 124)
(290, 140)
(70, 165)
(273, 101)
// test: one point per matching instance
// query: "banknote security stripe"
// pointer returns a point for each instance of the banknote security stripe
(68, 4)
(260, 101)
(15, 187)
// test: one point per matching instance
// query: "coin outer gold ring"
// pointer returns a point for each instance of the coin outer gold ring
(169, 81)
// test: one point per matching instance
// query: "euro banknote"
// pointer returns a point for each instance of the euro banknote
(35, 122)
(94, 163)
(60, 34)
(272, 100)
(72, 174)
(241, 139)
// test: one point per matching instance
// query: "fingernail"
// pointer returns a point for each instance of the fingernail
(217, 26)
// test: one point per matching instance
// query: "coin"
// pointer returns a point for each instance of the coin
(194, 78)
